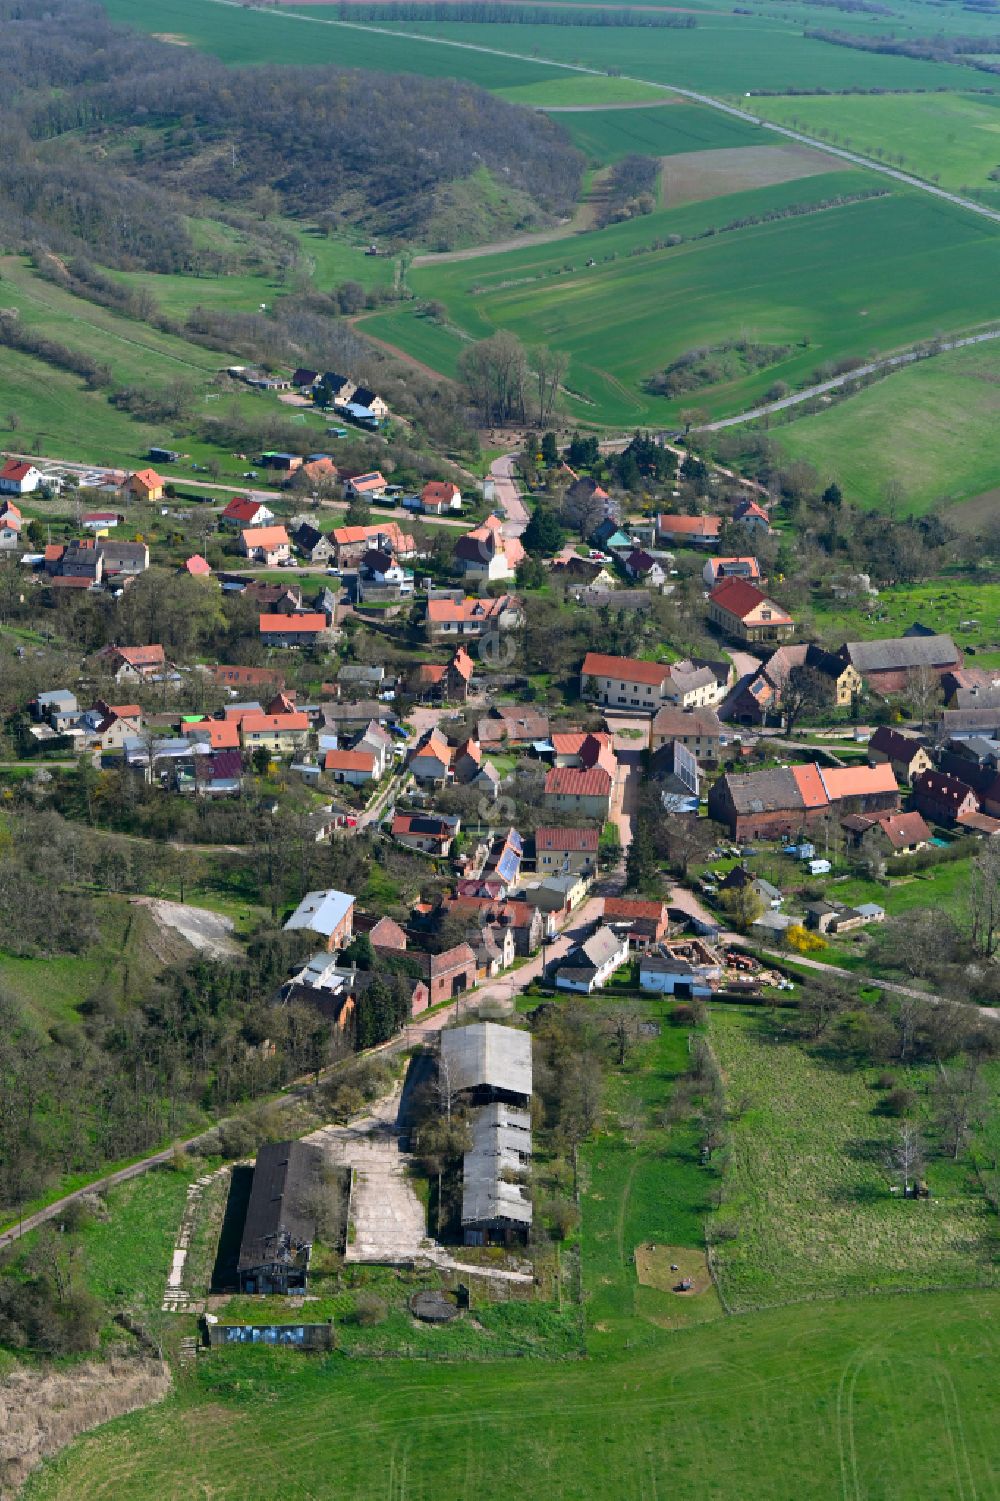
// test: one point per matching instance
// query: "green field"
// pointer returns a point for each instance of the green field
(823, 277)
(573, 90)
(938, 435)
(884, 1399)
(608, 135)
(951, 138)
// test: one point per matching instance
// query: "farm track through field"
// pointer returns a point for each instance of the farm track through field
(709, 100)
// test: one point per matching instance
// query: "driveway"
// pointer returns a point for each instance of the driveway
(508, 494)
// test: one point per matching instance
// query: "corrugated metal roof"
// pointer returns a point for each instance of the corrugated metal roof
(488, 1055)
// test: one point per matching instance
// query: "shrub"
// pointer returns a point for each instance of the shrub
(370, 1310)
(900, 1101)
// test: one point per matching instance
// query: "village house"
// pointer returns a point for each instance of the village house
(446, 975)
(243, 512)
(644, 922)
(688, 531)
(381, 578)
(584, 748)
(693, 685)
(328, 914)
(365, 402)
(623, 682)
(368, 486)
(11, 523)
(782, 800)
(589, 965)
(122, 559)
(887, 666)
(438, 497)
(19, 477)
(886, 833)
(145, 485)
(266, 544)
(379, 743)
(906, 754)
(134, 663)
(471, 617)
(318, 469)
(78, 560)
(304, 629)
(527, 925)
(741, 611)
(100, 522)
(512, 725)
(566, 851)
(220, 734)
(430, 833)
(314, 545)
(353, 767)
(942, 797)
(280, 1225)
(279, 733)
(717, 570)
(700, 731)
(752, 517)
(587, 792)
(58, 707)
(584, 498)
(645, 569)
(450, 680)
(431, 758)
(485, 554)
(350, 543)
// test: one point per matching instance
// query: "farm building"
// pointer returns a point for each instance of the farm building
(329, 914)
(767, 804)
(488, 1063)
(280, 1225)
(886, 666)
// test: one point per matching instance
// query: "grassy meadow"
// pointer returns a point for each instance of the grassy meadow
(807, 1187)
(942, 603)
(937, 429)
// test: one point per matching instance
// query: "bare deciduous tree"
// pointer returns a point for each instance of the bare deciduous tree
(905, 1160)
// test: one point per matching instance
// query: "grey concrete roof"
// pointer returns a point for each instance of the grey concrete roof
(501, 1137)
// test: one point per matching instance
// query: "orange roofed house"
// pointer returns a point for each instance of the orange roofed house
(486, 554)
(304, 629)
(741, 611)
(134, 663)
(350, 543)
(145, 484)
(688, 531)
(283, 733)
(785, 799)
(266, 544)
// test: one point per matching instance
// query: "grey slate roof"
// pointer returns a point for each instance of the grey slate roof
(488, 1055)
(766, 791)
(900, 653)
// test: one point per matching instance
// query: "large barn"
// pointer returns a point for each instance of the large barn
(490, 1065)
(281, 1218)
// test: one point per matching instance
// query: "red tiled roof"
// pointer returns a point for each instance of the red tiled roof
(141, 656)
(627, 669)
(740, 597)
(439, 492)
(626, 908)
(16, 469)
(571, 780)
(198, 566)
(564, 840)
(241, 508)
(810, 784)
(902, 829)
(223, 734)
(349, 760)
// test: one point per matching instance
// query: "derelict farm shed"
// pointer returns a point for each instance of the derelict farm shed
(281, 1219)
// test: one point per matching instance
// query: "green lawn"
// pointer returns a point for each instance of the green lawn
(931, 428)
(943, 603)
(954, 138)
(808, 1192)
